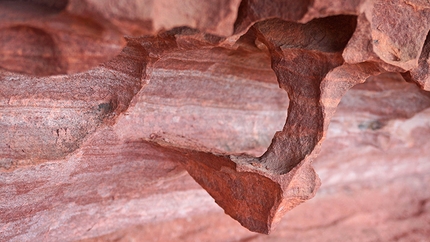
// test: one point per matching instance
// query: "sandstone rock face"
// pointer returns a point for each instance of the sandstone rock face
(115, 115)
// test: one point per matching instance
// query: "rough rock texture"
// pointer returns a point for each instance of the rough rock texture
(108, 108)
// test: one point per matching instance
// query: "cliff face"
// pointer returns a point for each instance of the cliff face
(124, 120)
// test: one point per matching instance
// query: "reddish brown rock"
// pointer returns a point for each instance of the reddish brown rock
(134, 17)
(46, 118)
(399, 29)
(383, 118)
(421, 73)
(134, 93)
(40, 38)
(65, 37)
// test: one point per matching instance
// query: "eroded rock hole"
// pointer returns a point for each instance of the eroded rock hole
(329, 34)
(302, 55)
(36, 40)
(29, 50)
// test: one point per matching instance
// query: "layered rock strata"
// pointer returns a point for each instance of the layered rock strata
(105, 102)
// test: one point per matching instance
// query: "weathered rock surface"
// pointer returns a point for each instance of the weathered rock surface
(377, 194)
(106, 104)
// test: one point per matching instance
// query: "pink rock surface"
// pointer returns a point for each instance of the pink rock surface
(108, 108)
(377, 194)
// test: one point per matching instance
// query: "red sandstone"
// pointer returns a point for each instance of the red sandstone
(109, 108)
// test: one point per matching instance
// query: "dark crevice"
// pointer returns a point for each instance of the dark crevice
(250, 12)
(54, 5)
(302, 55)
(329, 34)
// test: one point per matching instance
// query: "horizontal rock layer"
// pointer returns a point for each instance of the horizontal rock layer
(105, 105)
